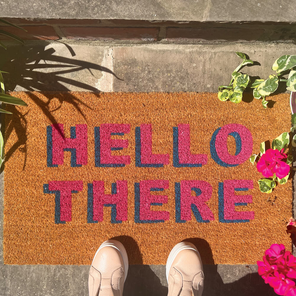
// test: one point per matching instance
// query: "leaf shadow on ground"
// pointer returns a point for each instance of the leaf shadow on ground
(37, 67)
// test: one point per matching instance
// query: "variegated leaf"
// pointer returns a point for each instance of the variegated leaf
(256, 83)
(236, 96)
(264, 103)
(221, 87)
(291, 83)
(256, 94)
(269, 86)
(262, 148)
(266, 185)
(285, 62)
(253, 158)
(235, 74)
(247, 62)
(294, 141)
(241, 81)
(283, 180)
(281, 141)
(224, 95)
(289, 159)
(241, 55)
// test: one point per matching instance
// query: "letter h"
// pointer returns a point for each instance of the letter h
(57, 144)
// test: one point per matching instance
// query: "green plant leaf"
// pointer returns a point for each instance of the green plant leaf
(1, 145)
(284, 63)
(12, 100)
(269, 86)
(264, 103)
(224, 95)
(241, 81)
(247, 62)
(266, 185)
(293, 119)
(11, 24)
(234, 75)
(290, 159)
(253, 158)
(12, 36)
(294, 141)
(236, 96)
(283, 180)
(4, 111)
(1, 149)
(291, 83)
(281, 141)
(256, 94)
(221, 87)
(256, 83)
(2, 86)
(241, 55)
(262, 148)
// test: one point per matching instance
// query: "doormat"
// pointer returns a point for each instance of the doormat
(150, 169)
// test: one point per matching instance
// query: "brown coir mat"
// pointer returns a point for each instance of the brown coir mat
(148, 169)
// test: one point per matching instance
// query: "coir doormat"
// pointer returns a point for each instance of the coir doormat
(150, 169)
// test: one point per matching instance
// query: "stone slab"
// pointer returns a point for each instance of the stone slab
(177, 10)
(197, 68)
(80, 66)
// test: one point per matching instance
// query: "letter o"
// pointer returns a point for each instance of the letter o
(244, 145)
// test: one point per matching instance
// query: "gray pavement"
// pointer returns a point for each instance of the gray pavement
(177, 10)
(98, 66)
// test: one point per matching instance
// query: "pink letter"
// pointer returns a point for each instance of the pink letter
(66, 188)
(147, 158)
(119, 199)
(107, 144)
(228, 200)
(196, 202)
(185, 156)
(78, 141)
(244, 145)
(146, 199)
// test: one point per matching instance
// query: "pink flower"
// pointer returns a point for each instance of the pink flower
(265, 270)
(271, 163)
(291, 292)
(274, 253)
(278, 269)
(281, 284)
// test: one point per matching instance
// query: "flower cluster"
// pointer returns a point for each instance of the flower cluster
(278, 269)
(272, 162)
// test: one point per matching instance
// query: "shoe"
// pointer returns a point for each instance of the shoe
(184, 271)
(108, 270)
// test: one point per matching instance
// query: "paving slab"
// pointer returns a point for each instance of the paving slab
(96, 66)
(177, 10)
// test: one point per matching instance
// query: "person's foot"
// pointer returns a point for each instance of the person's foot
(108, 270)
(184, 271)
